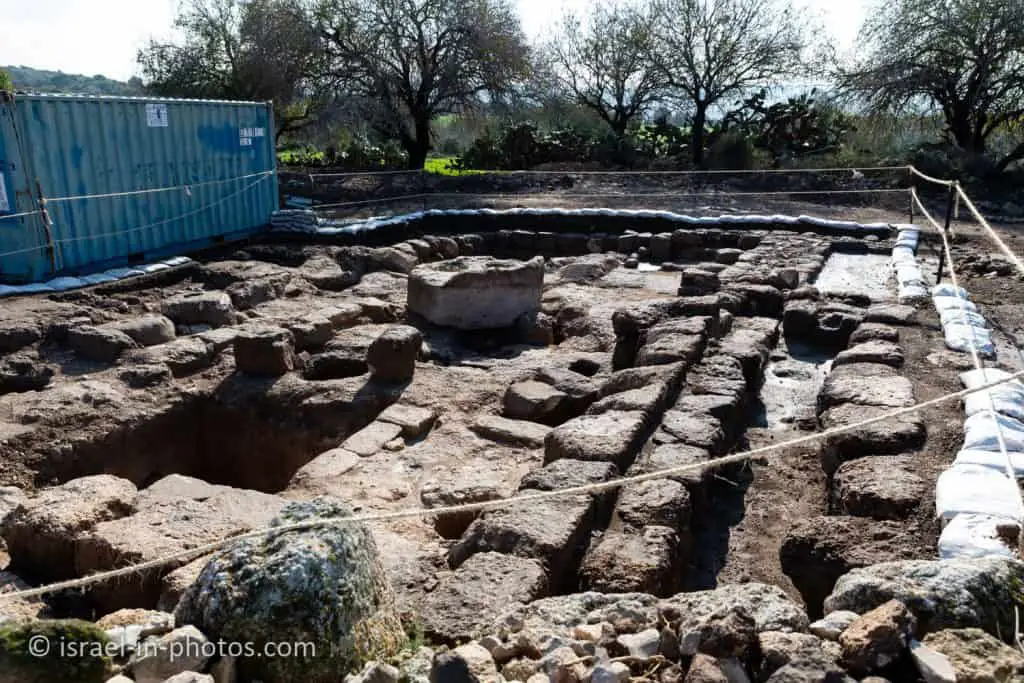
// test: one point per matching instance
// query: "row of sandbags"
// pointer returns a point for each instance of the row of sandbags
(977, 500)
(306, 220)
(910, 284)
(63, 284)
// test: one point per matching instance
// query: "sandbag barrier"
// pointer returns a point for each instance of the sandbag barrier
(976, 499)
(67, 283)
(910, 284)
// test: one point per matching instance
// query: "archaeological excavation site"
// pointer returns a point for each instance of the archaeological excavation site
(735, 443)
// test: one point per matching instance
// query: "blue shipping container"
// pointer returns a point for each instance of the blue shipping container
(112, 180)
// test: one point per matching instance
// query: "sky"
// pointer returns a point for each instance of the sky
(102, 36)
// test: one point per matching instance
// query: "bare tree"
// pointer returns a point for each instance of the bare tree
(604, 61)
(242, 49)
(710, 50)
(963, 58)
(415, 60)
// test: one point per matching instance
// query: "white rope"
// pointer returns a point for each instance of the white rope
(866, 169)
(602, 195)
(975, 357)
(521, 499)
(19, 215)
(930, 179)
(988, 228)
(187, 187)
(86, 238)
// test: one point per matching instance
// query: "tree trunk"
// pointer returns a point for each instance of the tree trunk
(700, 117)
(418, 147)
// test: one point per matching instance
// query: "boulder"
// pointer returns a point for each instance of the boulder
(832, 625)
(799, 658)
(24, 372)
(395, 259)
(880, 487)
(182, 650)
(371, 439)
(184, 355)
(671, 348)
(41, 532)
(867, 332)
(514, 432)
(147, 330)
(414, 421)
(209, 308)
(884, 352)
(392, 356)
(877, 639)
(649, 400)
(100, 344)
(705, 669)
(941, 593)
(311, 332)
(474, 292)
(23, 659)
(609, 437)
(658, 502)
(693, 429)
(462, 488)
(322, 585)
(819, 550)
(146, 375)
(646, 560)
(535, 401)
(849, 387)
(175, 514)
(466, 602)
(16, 334)
(265, 351)
(976, 656)
(886, 437)
(554, 532)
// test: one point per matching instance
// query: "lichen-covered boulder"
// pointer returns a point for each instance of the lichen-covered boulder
(323, 585)
(69, 651)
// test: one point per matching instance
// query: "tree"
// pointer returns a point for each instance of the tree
(410, 61)
(242, 49)
(964, 58)
(710, 50)
(5, 81)
(605, 62)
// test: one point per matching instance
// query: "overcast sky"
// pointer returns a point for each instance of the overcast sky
(102, 36)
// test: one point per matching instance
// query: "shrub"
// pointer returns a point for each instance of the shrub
(22, 661)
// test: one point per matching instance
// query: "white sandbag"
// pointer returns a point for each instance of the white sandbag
(953, 303)
(903, 254)
(1008, 402)
(982, 431)
(972, 379)
(946, 289)
(994, 460)
(912, 294)
(955, 316)
(964, 337)
(970, 489)
(974, 536)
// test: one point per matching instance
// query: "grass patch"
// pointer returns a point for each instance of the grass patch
(443, 166)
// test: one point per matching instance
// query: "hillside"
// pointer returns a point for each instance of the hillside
(37, 80)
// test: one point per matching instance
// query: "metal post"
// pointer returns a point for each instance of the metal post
(913, 191)
(949, 220)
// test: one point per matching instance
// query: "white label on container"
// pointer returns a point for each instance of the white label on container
(156, 115)
(4, 204)
(246, 135)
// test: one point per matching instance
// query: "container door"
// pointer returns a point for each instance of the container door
(24, 254)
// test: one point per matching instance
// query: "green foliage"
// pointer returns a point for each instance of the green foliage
(732, 151)
(76, 652)
(5, 81)
(661, 139)
(356, 153)
(36, 80)
(797, 127)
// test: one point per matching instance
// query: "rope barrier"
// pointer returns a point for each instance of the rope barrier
(975, 357)
(411, 513)
(19, 215)
(189, 186)
(189, 214)
(988, 228)
(603, 195)
(930, 179)
(866, 169)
